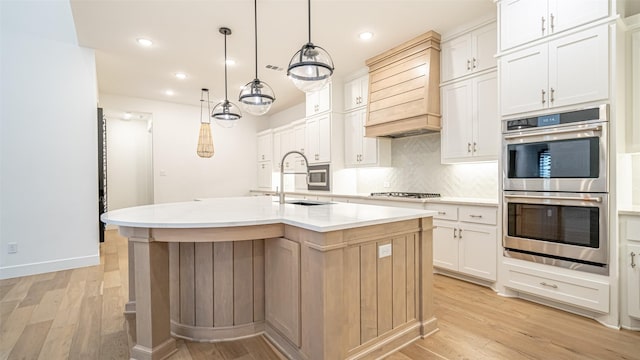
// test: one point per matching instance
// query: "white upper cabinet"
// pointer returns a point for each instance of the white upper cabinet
(523, 21)
(470, 121)
(318, 134)
(356, 93)
(265, 145)
(469, 53)
(360, 150)
(318, 102)
(566, 71)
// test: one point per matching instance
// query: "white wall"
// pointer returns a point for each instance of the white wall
(179, 174)
(48, 141)
(129, 163)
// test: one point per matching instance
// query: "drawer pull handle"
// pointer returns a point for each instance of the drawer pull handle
(460, 233)
(549, 285)
(633, 263)
(454, 233)
(442, 213)
(476, 216)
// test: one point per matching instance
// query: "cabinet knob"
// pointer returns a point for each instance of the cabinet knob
(475, 63)
(460, 233)
(468, 64)
(475, 147)
(468, 147)
(442, 213)
(551, 17)
(476, 216)
(455, 233)
(543, 28)
(633, 263)
(549, 285)
(551, 96)
(543, 94)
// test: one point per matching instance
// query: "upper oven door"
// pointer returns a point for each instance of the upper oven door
(564, 158)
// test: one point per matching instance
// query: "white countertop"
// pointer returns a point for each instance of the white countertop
(259, 210)
(446, 199)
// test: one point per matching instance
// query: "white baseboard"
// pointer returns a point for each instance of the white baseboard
(8, 272)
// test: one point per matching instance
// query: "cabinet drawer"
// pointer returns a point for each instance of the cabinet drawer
(479, 215)
(445, 211)
(576, 291)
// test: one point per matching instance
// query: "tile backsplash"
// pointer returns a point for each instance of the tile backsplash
(416, 167)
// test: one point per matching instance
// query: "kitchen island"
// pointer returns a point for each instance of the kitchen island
(330, 281)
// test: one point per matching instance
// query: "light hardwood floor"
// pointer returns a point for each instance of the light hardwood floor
(77, 314)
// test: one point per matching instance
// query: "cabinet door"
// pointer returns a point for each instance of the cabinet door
(324, 141)
(523, 82)
(264, 174)
(484, 47)
(353, 134)
(445, 245)
(355, 93)
(313, 139)
(319, 101)
(456, 120)
(287, 143)
(478, 249)
(579, 67)
(369, 153)
(633, 279)
(633, 119)
(282, 287)
(486, 125)
(565, 14)
(521, 21)
(264, 147)
(299, 135)
(277, 149)
(456, 58)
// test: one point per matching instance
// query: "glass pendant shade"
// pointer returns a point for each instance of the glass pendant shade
(256, 97)
(311, 67)
(205, 140)
(225, 112)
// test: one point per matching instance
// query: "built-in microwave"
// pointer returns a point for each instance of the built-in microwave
(557, 152)
(319, 177)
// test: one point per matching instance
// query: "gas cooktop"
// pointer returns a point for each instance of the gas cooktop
(407, 195)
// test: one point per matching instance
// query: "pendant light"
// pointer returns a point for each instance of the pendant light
(311, 67)
(225, 112)
(205, 140)
(256, 97)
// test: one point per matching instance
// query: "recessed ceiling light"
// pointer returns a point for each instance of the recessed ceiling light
(169, 93)
(180, 75)
(366, 35)
(231, 62)
(144, 42)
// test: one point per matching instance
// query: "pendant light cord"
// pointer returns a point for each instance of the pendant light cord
(225, 67)
(255, 29)
(309, 16)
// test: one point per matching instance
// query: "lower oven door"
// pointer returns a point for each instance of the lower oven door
(566, 227)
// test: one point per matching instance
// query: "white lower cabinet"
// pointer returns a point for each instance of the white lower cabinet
(547, 282)
(633, 279)
(465, 239)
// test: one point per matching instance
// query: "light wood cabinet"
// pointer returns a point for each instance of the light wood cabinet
(470, 122)
(465, 240)
(566, 71)
(318, 102)
(282, 287)
(469, 53)
(360, 150)
(265, 145)
(356, 93)
(522, 21)
(318, 135)
(403, 88)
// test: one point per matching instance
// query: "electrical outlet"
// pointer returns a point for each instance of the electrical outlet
(384, 251)
(12, 248)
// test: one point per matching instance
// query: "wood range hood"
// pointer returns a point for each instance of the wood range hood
(404, 92)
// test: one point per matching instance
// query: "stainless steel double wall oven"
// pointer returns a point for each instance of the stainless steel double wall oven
(556, 191)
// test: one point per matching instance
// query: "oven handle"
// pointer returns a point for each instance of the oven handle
(597, 199)
(556, 131)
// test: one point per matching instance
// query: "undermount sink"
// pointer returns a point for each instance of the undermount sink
(307, 202)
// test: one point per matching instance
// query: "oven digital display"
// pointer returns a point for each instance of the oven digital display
(549, 120)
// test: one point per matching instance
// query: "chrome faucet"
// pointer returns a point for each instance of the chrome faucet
(281, 193)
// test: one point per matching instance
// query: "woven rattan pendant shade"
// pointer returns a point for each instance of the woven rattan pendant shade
(205, 140)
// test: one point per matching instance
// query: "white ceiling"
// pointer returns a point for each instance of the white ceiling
(186, 39)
